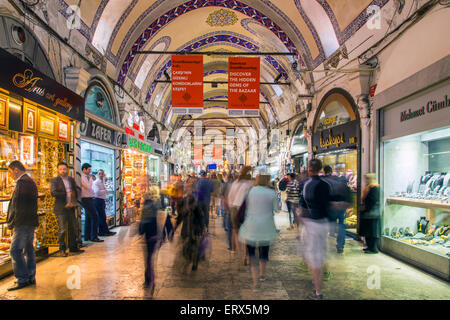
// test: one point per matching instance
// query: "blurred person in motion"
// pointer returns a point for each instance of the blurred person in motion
(342, 194)
(22, 218)
(292, 201)
(215, 196)
(315, 202)
(149, 228)
(203, 188)
(192, 232)
(100, 204)
(282, 186)
(189, 184)
(228, 226)
(236, 196)
(370, 226)
(258, 229)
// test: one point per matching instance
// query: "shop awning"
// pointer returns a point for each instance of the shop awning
(22, 79)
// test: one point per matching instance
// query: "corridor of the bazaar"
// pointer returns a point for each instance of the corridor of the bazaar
(224, 150)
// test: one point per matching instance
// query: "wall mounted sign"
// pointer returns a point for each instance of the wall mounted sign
(136, 144)
(72, 136)
(63, 130)
(47, 123)
(421, 113)
(339, 137)
(24, 80)
(243, 86)
(187, 84)
(198, 153)
(99, 132)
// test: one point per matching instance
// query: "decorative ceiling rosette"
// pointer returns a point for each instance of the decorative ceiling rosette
(221, 18)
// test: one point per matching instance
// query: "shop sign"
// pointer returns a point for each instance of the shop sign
(101, 133)
(419, 114)
(135, 143)
(187, 83)
(343, 136)
(24, 80)
(243, 86)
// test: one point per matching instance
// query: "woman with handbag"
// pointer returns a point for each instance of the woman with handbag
(258, 229)
(370, 226)
(236, 198)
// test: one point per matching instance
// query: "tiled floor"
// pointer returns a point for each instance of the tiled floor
(114, 270)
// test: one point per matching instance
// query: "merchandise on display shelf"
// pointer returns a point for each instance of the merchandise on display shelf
(416, 180)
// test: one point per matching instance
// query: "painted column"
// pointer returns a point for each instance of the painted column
(364, 111)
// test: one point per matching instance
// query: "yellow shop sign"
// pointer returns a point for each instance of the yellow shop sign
(331, 140)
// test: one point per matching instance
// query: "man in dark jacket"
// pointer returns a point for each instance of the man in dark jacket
(64, 189)
(339, 190)
(22, 219)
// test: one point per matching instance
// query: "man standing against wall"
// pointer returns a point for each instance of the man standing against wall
(100, 204)
(87, 200)
(64, 189)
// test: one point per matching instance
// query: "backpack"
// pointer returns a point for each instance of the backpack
(282, 185)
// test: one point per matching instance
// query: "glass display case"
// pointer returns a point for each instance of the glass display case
(100, 157)
(415, 177)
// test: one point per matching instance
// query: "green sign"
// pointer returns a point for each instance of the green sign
(134, 143)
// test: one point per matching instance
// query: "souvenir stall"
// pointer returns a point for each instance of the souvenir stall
(336, 142)
(37, 123)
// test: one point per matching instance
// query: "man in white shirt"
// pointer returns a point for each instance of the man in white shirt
(87, 201)
(100, 204)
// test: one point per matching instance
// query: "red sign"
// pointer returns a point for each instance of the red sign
(243, 83)
(217, 152)
(372, 90)
(187, 81)
(198, 153)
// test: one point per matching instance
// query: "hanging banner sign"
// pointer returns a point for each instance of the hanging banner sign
(198, 153)
(217, 152)
(187, 84)
(24, 80)
(243, 86)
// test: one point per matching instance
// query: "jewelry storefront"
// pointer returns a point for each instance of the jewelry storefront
(37, 123)
(414, 162)
(101, 142)
(336, 142)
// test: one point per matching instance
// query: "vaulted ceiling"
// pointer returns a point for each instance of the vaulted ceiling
(312, 29)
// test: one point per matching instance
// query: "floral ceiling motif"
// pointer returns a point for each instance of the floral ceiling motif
(222, 18)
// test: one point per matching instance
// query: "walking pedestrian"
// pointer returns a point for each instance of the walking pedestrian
(203, 188)
(22, 218)
(64, 189)
(292, 201)
(258, 229)
(149, 228)
(192, 232)
(315, 202)
(341, 192)
(100, 204)
(236, 197)
(87, 201)
(228, 226)
(370, 226)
